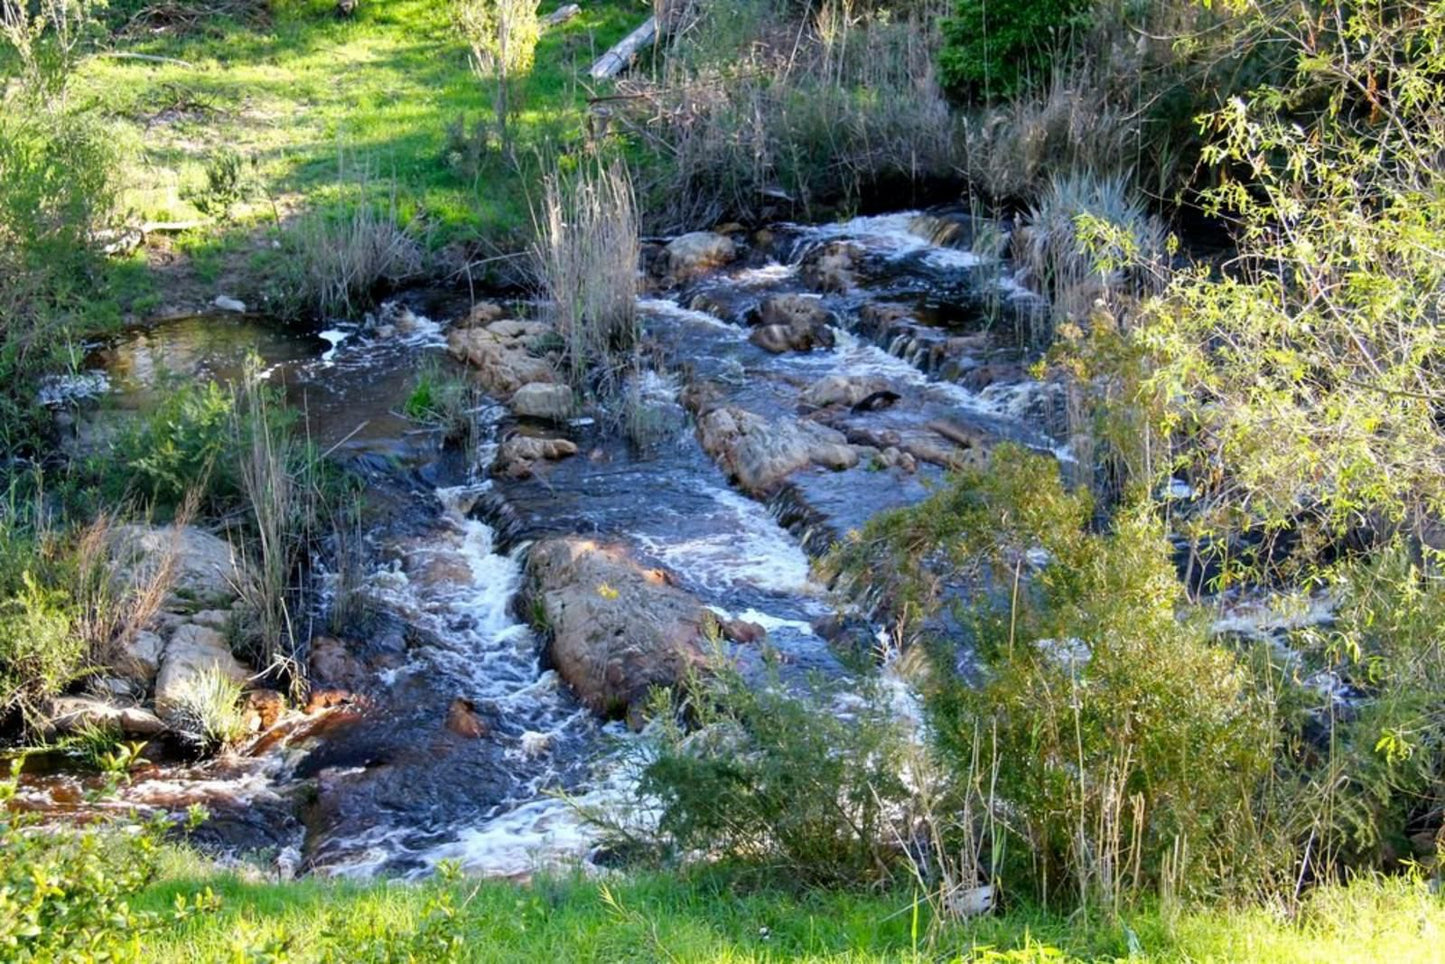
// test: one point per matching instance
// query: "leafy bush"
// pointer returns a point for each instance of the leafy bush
(40, 652)
(189, 444)
(68, 895)
(1127, 750)
(807, 789)
(1383, 777)
(993, 49)
(1297, 392)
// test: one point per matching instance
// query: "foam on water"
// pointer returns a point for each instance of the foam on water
(769, 274)
(550, 831)
(747, 548)
(57, 390)
(671, 309)
(892, 235)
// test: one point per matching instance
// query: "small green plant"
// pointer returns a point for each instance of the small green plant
(445, 399)
(189, 443)
(208, 711)
(228, 183)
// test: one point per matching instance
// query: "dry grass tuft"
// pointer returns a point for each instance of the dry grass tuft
(586, 258)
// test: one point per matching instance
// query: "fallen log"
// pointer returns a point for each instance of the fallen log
(560, 16)
(615, 60)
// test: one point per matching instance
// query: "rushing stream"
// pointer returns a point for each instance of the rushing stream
(390, 789)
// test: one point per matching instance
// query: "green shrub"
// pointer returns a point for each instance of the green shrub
(1127, 750)
(227, 184)
(41, 653)
(803, 789)
(69, 895)
(190, 443)
(1383, 778)
(993, 49)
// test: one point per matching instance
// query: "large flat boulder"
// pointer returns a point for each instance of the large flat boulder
(201, 568)
(761, 452)
(618, 628)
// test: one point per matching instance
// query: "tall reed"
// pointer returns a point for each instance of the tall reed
(586, 258)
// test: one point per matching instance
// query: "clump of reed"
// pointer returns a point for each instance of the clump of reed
(586, 256)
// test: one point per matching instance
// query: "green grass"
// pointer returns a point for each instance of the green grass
(305, 95)
(657, 918)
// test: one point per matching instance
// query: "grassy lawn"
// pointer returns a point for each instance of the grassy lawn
(322, 110)
(671, 919)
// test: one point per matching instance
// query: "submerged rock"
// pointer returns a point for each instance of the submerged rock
(760, 453)
(618, 629)
(518, 456)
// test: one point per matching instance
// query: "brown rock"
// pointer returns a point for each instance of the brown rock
(518, 456)
(326, 699)
(462, 719)
(832, 266)
(694, 254)
(760, 453)
(334, 664)
(502, 354)
(793, 310)
(618, 628)
(742, 631)
(483, 313)
(263, 708)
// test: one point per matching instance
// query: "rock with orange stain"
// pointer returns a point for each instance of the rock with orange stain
(618, 628)
(464, 721)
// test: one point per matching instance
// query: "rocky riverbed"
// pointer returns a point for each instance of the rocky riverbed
(523, 593)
